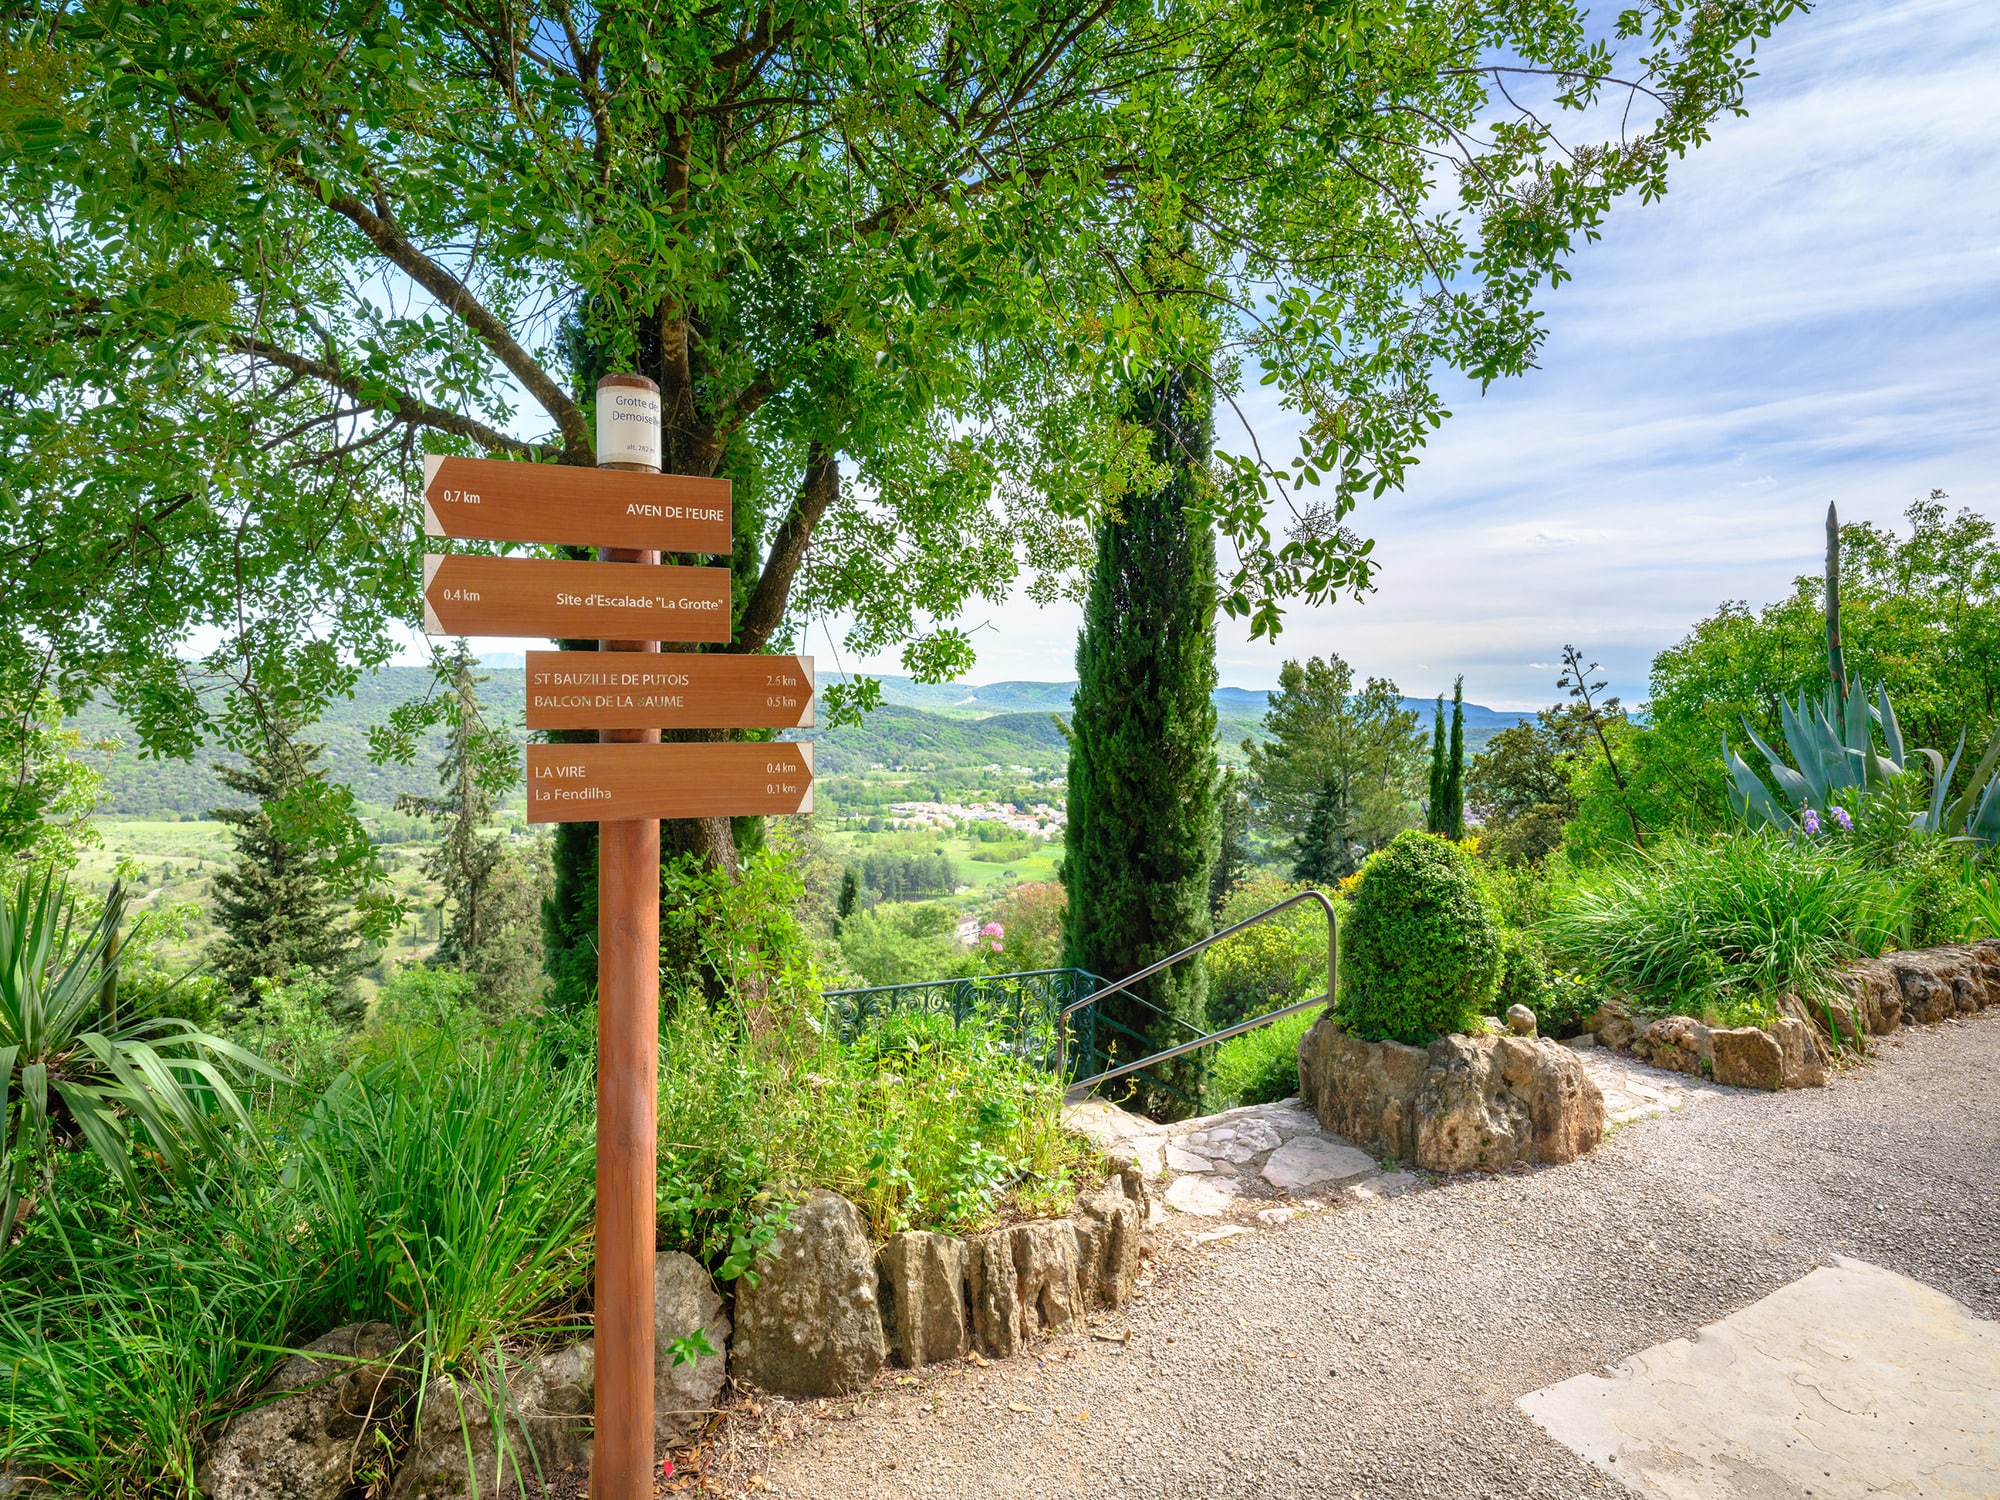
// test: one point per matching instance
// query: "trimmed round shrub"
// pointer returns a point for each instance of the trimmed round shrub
(1420, 950)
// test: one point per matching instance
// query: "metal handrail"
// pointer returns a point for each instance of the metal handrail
(1332, 980)
(1199, 1042)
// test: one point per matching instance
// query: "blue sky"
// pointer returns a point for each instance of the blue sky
(1811, 314)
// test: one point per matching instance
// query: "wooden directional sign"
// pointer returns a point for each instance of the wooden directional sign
(616, 783)
(574, 600)
(559, 504)
(673, 690)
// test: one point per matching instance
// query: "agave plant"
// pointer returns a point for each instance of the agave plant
(1832, 743)
(71, 1070)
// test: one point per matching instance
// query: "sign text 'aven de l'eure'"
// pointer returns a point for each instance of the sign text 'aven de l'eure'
(489, 499)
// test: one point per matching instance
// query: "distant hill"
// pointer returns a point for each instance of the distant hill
(944, 726)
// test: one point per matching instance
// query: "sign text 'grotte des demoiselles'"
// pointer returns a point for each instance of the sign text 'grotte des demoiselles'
(618, 783)
(489, 499)
(675, 690)
(536, 596)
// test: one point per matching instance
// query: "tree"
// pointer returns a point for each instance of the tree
(1359, 750)
(1143, 826)
(886, 266)
(1322, 846)
(1454, 771)
(1520, 786)
(48, 791)
(1600, 716)
(277, 909)
(1232, 859)
(1434, 804)
(478, 765)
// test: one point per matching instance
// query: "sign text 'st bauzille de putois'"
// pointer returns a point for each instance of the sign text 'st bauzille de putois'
(536, 596)
(489, 499)
(675, 690)
(613, 783)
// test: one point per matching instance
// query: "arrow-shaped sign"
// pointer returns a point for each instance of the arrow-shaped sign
(618, 783)
(536, 596)
(672, 690)
(562, 505)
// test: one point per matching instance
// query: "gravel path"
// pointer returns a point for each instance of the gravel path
(1378, 1351)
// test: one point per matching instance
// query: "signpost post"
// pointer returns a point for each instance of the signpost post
(625, 783)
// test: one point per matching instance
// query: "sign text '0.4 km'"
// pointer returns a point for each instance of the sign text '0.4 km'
(674, 690)
(490, 499)
(537, 596)
(616, 783)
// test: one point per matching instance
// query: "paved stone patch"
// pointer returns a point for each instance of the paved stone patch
(1314, 1161)
(1852, 1381)
(1634, 1090)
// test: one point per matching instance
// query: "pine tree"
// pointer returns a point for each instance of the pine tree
(1454, 771)
(275, 908)
(1143, 829)
(477, 761)
(1434, 810)
(1322, 847)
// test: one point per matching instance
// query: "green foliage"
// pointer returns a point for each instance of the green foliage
(292, 1029)
(1232, 859)
(1445, 809)
(1271, 964)
(1724, 928)
(1143, 825)
(280, 908)
(1520, 787)
(1524, 974)
(737, 937)
(1420, 951)
(1351, 756)
(47, 790)
(1030, 917)
(1261, 1066)
(72, 1069)
(902, 945)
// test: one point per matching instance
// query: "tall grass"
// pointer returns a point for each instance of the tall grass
(1261, 1066)
(1725, 928)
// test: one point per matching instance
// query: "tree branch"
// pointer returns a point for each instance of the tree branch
(766, 609)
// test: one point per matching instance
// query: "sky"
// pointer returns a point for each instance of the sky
(1811, 314)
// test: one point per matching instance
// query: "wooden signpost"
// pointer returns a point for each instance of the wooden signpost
(628, 691)
(705, 690)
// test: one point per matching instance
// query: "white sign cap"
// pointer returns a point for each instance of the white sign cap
(628, 421)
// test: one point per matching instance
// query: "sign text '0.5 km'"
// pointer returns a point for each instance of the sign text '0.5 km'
(537, 596)
(490, 499)
(674, 690)
(612, 783)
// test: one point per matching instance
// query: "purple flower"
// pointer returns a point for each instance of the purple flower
(1840, 817)
(1809, 820)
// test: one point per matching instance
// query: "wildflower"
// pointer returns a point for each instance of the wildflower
(1840, 818)
(1809, 820)
(993, 932)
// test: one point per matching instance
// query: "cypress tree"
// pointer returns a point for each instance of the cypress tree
(1322, 846)
(1434, 810)
(274, 907)
(1232, 860)
(1143, 827)
(1454, 771)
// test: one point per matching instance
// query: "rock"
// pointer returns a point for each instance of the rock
(1315, 1161)
(1614, 1026)
(1800, 1065)
(684, 1299)
(543, 1407)
(811, 1325)
(1746, 1057)
(1520, 1020)
(1363, 1091)
(921, 1281)
(1119, 1135)
(996, 1303)
(1110, 1228)
(1204, 1197)
(1489, 1103)
(303, 1432)
(1677, 1043)
(1186, 1161)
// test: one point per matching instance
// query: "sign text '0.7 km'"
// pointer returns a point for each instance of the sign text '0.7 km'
(490, 499)
(537, 596)
(674, 690)
(613, 783)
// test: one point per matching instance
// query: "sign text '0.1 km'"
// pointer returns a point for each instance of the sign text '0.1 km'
(490, 499)
(674, 690)
(617, 783)
(537, 596)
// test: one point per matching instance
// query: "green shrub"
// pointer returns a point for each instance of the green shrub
(1420, 953)
(1261, 1066)
(1524, 973)
(1721, 929)
(1934, 885)
(1269, 965)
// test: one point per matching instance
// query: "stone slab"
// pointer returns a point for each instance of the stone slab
(1852, 1381)
(1316, 1161)
(1203, 1197)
